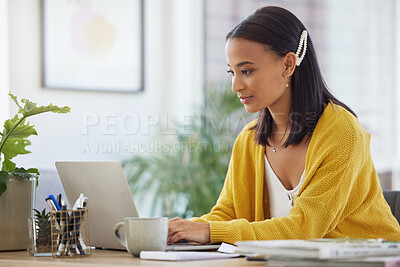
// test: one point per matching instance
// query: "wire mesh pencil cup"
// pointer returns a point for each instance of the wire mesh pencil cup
(70, 233)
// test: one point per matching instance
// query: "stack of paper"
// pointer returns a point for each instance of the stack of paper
(325, 252)
(321, 248)
(356, 262)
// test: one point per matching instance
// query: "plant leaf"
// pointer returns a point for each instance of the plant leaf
(16, 142)
(33, 170)
(4, 177)
(12, 148)
(37, 213)
(15, 146)
(21, 172)
(29, 105)
(26, 174)
(41, 214)
(7, 165)
(14, 98)
(22, 130)
(30, 110)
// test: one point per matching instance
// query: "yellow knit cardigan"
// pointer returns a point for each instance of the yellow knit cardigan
(341, 195)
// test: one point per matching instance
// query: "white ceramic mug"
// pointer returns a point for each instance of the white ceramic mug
(143, 234)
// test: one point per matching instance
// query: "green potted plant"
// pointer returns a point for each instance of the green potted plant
(40, 234)
(186, 179)
(17, 184)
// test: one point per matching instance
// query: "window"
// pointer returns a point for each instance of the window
(355, 43)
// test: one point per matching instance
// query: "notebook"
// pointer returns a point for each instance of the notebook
(224, 251)
(184, 255)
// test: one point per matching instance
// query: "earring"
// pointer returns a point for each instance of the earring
(287, 85)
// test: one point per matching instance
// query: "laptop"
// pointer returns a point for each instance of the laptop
(109, 200)
(109, 197)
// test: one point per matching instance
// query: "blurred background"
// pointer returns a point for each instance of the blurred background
(173, 123)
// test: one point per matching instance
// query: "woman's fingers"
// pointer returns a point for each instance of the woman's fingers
(192, 231)
(175, 238)
(172, 225)
(173, 231)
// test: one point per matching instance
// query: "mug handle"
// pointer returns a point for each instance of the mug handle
(116, 232)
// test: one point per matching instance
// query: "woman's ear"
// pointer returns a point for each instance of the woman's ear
(289, 63)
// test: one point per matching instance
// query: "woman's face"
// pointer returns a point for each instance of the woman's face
(259, 77)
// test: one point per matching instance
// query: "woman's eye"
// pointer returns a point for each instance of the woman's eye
(243, 72)
(246, 72)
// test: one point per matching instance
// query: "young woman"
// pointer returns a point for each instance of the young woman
(303, 170)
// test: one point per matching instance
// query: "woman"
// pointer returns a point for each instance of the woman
(303, 170)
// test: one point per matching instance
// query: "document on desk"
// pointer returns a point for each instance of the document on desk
(224, 251)
(184, 255)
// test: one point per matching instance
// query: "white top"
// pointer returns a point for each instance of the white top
(281, 200)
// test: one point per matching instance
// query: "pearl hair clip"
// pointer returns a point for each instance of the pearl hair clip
(303, 42)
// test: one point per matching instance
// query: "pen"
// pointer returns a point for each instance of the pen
(51, 204)
(74, 221)
(64, 231)
(54, 201)
(59, 198)
(72, 233)
(75, 233)
(80, 204)
(78, 225)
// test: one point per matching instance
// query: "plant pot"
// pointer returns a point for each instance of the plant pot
(16, 206)
(39, 237)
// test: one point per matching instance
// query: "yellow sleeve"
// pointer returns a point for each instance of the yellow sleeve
(334, 165)
(224, 209)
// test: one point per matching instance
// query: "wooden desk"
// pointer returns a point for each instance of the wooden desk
(110, 258)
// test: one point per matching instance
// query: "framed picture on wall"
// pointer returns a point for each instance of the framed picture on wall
(93, 45)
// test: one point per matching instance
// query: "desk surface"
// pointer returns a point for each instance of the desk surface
(109, 258)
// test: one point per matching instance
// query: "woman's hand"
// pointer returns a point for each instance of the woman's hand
(191, 231)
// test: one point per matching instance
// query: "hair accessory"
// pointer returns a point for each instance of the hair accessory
(303, 42)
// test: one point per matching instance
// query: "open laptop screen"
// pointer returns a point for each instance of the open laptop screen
(109, 196)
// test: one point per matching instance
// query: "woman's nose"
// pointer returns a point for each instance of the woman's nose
(237, 84)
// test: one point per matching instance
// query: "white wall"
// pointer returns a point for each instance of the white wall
(4, 74)
(173, 84)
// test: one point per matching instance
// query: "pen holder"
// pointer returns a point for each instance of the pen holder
(70, 233)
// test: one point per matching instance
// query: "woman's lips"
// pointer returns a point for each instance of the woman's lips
(245, 99)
